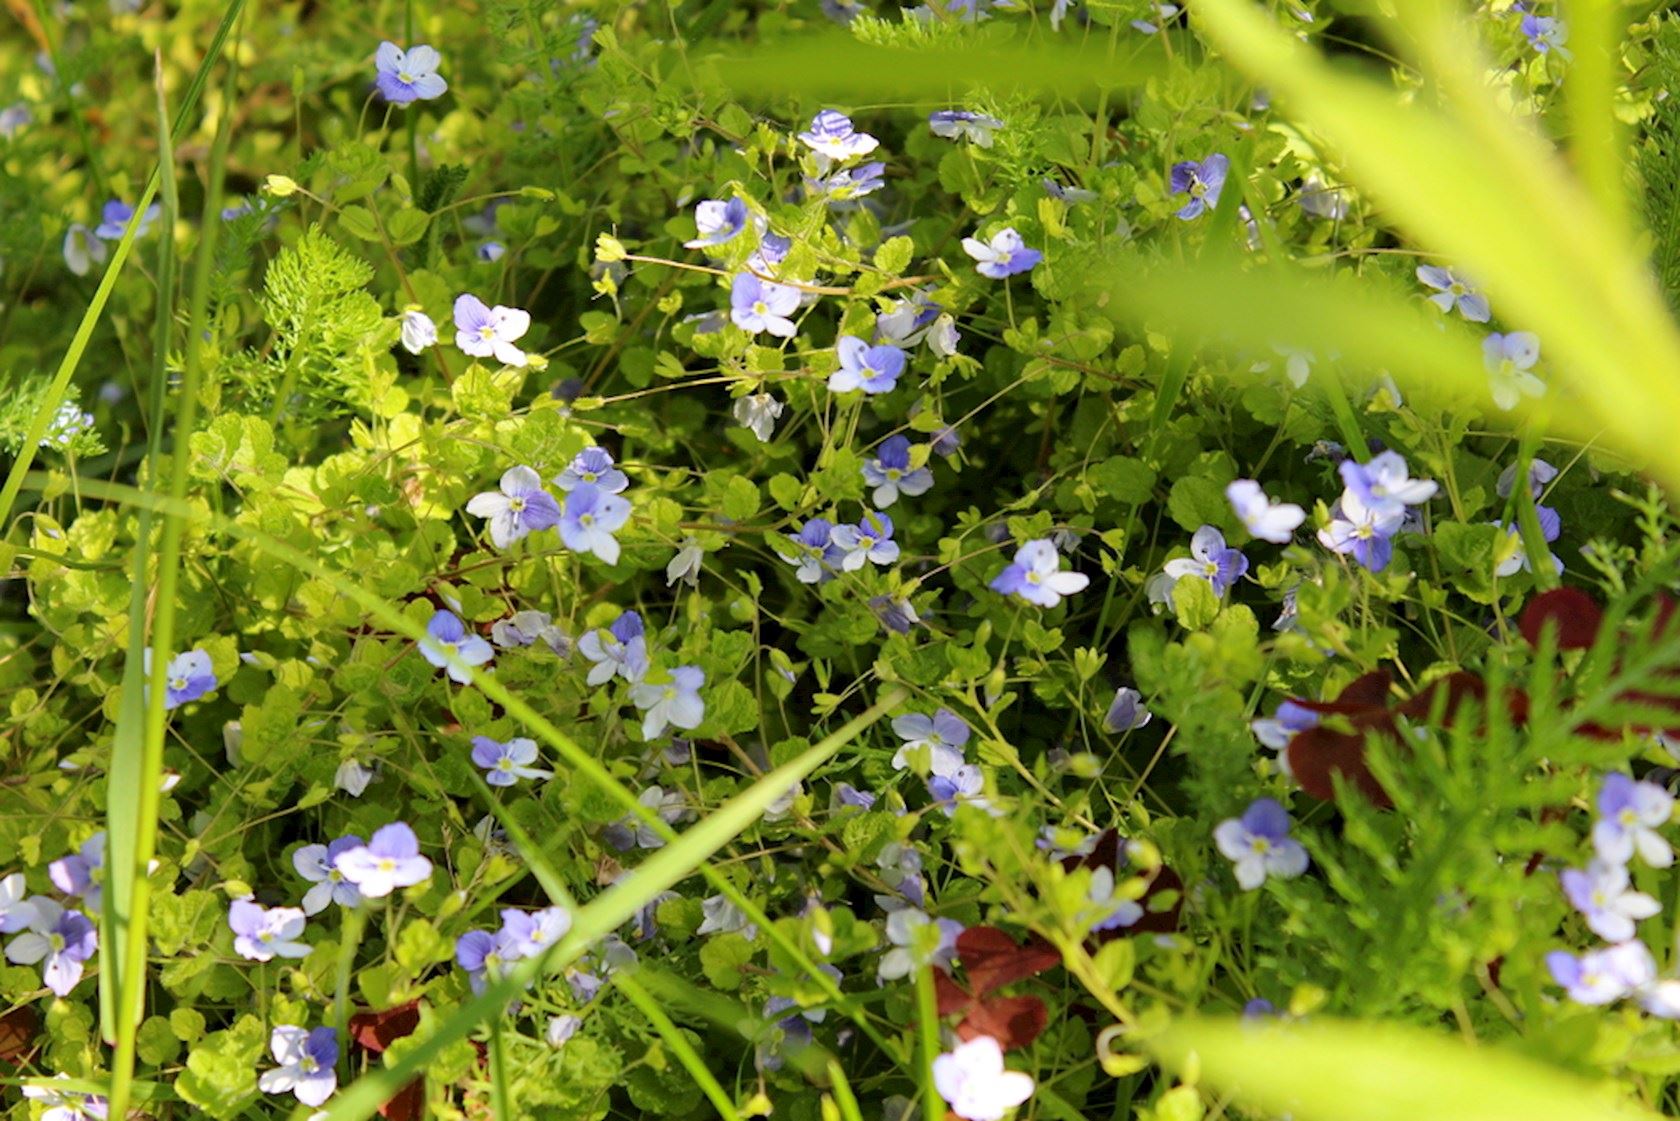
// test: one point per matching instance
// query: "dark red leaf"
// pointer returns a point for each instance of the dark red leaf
(18, 1029)
(406, 1104)
(1014, 1021)
(376, 1031)
(1361, 695)
(991, 959)
(1574, 614)
(951, 996)
(1450, 692)
(1318, 754)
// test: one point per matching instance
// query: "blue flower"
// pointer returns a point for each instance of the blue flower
(308, 1060)
(521, 508)
(1383, 486)
(1034, 576)
(482, 331)
(1211, 560)
(593, 466)
(1275, 731)
(419, 333)
(1259, 844)
(1546, 33)
(831, 134)
(1269, 521)
(1605, 897)
(941, 735)
(954, 123)
(671, 703)
(1201, 181)
(1163, 14)
(849, 183)
(870, 540)
(318, 865)
(873, 369)
(264, 933)
(82, 873)
(963, 785)
(916, 941)
(1540, 476)
(448, 635)
(1510, 363)
(890, 472)
(815, 553)
(717, 221)
(408, 76)
(761, 305)
(391, 859)
(82, 249)
(1512, 556)
(60, 940)
(896, 616)
(1603, 976)
(590, 519)
(489, 251)
(1070, 195)
(1003, 254)
(1629, 815)
(620, 649)
(1362, 533)
(115, 216)
(1127, 711)
(1453, 291)
(505, 764)
(186, 678)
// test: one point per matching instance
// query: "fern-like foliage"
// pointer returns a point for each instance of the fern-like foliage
(1659, 158)
(326, 326)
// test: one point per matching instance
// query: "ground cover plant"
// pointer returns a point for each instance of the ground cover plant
(836, 560)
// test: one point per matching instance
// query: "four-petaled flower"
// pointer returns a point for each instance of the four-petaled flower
(1127, 711)
(1383, 485)
(1201, 181)
(814, 550)
(505, 764)
(870, 540)
(1453, 291)
(115, 216)
(1003, 254)
(1510, 363)
(1603, 976)
(762, 305)
(758, 412)
(80, 874)
(1546, 33)
(890, 472)
(446, 635)
(1259, 844)
(873, 369)
(1604, 895)
(418, 331)
(917, 940)
(483, 332)
(59, 939)
(942, 735)
(954, 123)
(831, 134)
(187, 677)
(264, 933)
(391, 859)
(1363, 533)
(1035, 577)
(1263, 518)
(408, 76)
(590, 519)
(1629, 814)
(521, 508)
(671, 703)
(716, 222)
(307, 1059)
(972, 1080)
(619, 649)
(593, 466)
(1211, 560)
(318, 865)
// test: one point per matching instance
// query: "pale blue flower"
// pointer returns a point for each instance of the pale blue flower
(1003, 254)
(1259, 844)
(520, 508)
(446, 634)
(589, 520)
(761, 305)
(831, 134)
(593, 466)
(873, 369)
(890, 473)
(408, 76)
(674, 702)
(870, 540)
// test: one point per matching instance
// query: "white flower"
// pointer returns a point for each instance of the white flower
(1268, 520)
(352, 778)
(759, 413)
(685, 566)
(16, 912)
(418, 330)
(973, 1080)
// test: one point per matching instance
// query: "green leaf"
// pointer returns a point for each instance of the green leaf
(408, 226)
(359, 221)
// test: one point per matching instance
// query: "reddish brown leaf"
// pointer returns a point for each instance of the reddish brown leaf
(1014, 1021)
(951, 997)
(991, 959)
(407, 1103)
(376, 1031)
(18, 1029)
(1318, 754)
(1572, 612)
(1360, 696)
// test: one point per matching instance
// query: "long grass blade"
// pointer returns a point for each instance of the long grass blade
(678, 1045)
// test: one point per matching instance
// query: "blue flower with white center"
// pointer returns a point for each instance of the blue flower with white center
(1275, 731)
(264, 933)
(1511, 555)
(1268, 520)
(1259, 844)
(890, 473)
(82, 873)
(1454, 292)
(1603, 976)
(870, 540)
(391, 859)
(483, 332)
(446, 635)
(1510, 363)
(620, 649)
(1070, 195)
(522, 507)
(674, 702)
(589, 520)
(1540, 476)
(716, 222)
(1035, 577)
(504, 764)
(308, 1060)
(963, 785)
(941, 736)
(917, 941)
(317, 864)
(1629, 815)
(1202, 181)
(873, 369)
(1383, 486)
(408, 76)
(952, 124)
(761, 305)
(115, 216)
(1604, 895)
(1127, 711)
(831, 134)
(1108, 911)
(1211, 560)
(815, 553)
(59, 940)
(1003, 254)
(1546, 34)
(849, 183)
(187, 677)
(1362, 533)
(593, 466)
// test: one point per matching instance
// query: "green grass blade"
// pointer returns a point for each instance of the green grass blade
(1493, 197)
(679, 1045)
(1329, 1070)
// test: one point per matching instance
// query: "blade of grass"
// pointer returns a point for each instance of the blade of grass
(1330, 1070)
(132, 934)
(927, 1040)
(843, 1096)
(90, 318)
(608, 911)
(678, 1044)
(128, 743)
